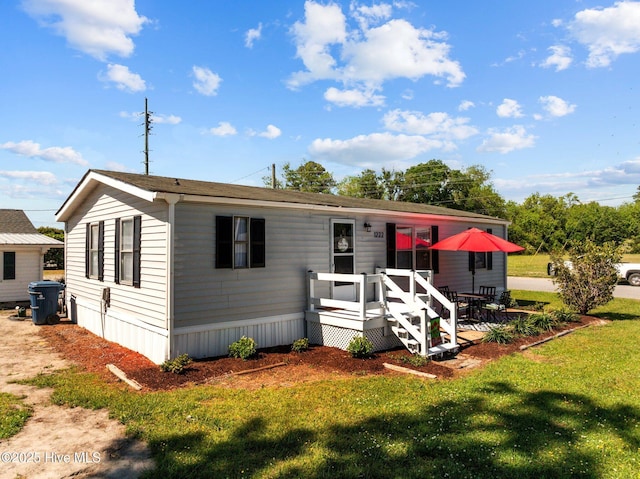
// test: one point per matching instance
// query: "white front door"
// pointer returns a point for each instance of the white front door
(343, 257)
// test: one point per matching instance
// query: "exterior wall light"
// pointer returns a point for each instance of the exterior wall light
(367, 226)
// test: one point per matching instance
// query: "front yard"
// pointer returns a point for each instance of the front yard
(567, 409)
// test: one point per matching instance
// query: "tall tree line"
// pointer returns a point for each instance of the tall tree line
(541, 223)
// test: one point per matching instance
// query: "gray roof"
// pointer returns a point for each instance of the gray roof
(16, 229)
(160, 184)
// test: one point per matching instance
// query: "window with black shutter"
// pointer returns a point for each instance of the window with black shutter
(240, 242)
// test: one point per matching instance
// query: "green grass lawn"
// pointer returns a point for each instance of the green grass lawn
(568, 409)
(13, 415)
(535, 266)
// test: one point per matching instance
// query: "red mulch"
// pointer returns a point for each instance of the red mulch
(93, 353)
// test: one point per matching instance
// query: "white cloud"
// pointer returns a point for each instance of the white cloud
(206, 82)
(509, 109)
(439, 125)
(56, 154)
(224, 128)
(166, 119)
(45, 178)
(271, 132)
(556, 106)
(366, 15)
(97, 27)
(123, 79)
(505, 141)
(367, 57)
(608, 32)
(374, 150)
(466, 105)
(354, 97)
(560, 58)
(252, 35)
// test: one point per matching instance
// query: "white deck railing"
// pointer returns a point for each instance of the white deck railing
(420, 303)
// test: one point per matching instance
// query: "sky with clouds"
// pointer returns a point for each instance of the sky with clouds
(543, 94)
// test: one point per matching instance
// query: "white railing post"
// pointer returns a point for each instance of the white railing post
(363, 296)
(412, 285)
(424, 333)
(312, 291)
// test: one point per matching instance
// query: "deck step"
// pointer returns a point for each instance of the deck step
(442, 348)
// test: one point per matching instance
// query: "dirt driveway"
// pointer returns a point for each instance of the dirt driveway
(65, 442)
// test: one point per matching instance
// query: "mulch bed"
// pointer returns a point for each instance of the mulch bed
(93, 353)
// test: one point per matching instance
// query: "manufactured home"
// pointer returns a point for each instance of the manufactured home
(166, 266)
(22, 251)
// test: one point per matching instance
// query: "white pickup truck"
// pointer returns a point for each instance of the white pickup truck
(627, 271)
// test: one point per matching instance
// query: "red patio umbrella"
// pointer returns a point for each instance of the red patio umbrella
(475, 240)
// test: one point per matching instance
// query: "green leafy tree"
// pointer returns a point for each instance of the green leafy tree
(55, 255)
(366, 185)
(310, 176)
(427, 183)
(600, 224)
(591, 277)
(539, 224)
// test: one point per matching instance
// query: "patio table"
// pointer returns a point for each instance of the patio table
(474, 302)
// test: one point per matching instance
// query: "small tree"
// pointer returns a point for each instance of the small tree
(589, 279)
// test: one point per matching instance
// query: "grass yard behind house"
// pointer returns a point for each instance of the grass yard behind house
(568, 409)
(535, 266)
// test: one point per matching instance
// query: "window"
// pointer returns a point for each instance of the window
(127, 251)
(240, 242)
(481, 260)
(9, 265)
(408, 247)
(94, 251)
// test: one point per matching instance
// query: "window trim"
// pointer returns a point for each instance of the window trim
(89, 273)
(136, 243)
(392, 250)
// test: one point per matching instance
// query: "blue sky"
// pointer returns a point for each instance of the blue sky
(543, 94)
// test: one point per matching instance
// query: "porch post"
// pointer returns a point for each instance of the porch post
(363, 296)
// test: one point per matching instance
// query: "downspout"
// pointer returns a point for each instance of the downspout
(171, 200)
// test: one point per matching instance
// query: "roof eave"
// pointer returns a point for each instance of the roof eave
(88, 183)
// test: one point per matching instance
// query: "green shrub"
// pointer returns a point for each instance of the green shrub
(499, 334)
(543, 321)
(565, 315)
(523, 326)
(416, 360)
(300, 345)
(176, 365)
(360, 347)
(243, 348)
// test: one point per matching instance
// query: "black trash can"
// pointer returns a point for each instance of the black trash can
(43, 297)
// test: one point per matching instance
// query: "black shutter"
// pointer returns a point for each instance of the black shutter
(435, 254)
(391, 245)
(489, 254)
(9, 262)
(116, 260)
(137, 243)
(101, 251)
(87, 252)
(224, 242)
(257, 243)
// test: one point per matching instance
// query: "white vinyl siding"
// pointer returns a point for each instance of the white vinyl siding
(148, 303)
(28, 268)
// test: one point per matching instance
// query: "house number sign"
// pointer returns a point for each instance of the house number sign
(378, 234)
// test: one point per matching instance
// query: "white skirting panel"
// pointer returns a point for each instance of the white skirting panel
(213, 340)
(339, 337)
(148, 340)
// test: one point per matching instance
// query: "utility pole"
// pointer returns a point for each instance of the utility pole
(147, 130)
(273, 176)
